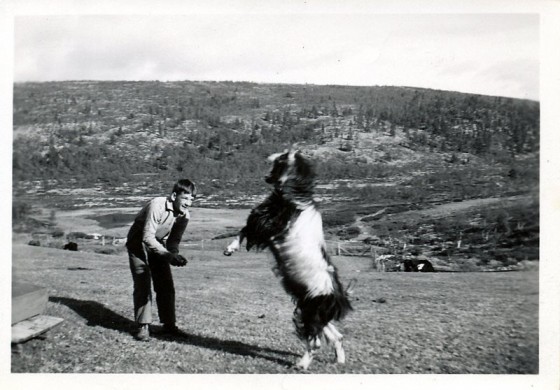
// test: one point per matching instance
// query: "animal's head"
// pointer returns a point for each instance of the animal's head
(291, 172)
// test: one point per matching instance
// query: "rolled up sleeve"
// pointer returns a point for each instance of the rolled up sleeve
(176, 233)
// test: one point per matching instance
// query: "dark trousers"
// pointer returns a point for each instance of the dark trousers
(147, 268)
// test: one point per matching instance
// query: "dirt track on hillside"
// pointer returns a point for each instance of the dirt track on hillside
(439, 211)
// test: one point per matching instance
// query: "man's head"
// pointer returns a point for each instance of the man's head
(182, 196)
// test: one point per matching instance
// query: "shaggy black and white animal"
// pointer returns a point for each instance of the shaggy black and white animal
(290, 226)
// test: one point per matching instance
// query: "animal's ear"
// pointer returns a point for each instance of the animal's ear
(303, 165)
(292, 156)
(298, 155)
(274, 156)
(292, 152)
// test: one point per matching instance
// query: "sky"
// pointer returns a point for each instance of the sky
(486, 53)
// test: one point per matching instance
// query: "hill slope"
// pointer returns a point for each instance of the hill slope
(108, 131)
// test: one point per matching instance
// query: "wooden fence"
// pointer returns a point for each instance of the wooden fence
(381, 259)
(334, 248)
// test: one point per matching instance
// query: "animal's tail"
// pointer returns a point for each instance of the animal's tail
(342, 307)
(315, 313)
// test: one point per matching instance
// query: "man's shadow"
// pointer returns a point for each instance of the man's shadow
(98, 315)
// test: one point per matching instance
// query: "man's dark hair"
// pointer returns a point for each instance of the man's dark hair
(184, 186)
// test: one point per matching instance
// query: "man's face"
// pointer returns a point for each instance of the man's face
(181, 202)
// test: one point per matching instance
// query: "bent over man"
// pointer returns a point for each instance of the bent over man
(153, 246)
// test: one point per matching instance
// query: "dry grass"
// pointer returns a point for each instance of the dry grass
(237, 319)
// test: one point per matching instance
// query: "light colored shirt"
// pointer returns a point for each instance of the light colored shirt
(157, 227)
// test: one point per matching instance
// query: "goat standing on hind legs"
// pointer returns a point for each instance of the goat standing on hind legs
(290, 226)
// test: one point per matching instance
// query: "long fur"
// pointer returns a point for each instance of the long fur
(289, 224)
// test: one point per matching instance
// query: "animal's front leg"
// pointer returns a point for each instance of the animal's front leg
(334, 337)
(234, 246)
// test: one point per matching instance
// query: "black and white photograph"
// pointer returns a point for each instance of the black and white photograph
(320, 193)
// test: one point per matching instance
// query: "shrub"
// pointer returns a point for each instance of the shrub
(348, 233)
(58, 233)
(75, 235)
(20, 210)
(334, 218)
(466, 265)
(34, 243)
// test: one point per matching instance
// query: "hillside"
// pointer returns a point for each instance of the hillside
(383, 154)
(219, 132)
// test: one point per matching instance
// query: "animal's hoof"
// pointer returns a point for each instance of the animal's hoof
(227, 253)
(303, 363)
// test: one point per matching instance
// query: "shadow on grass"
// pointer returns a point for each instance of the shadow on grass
(230, 346)
(98, 315)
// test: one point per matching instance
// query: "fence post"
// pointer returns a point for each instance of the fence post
(338, 248)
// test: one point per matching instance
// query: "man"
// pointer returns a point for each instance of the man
(153, 245)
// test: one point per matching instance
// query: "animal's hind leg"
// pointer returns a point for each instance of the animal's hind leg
(334, 337)
(311, 344)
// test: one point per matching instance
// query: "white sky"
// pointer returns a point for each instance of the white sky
(493, 54)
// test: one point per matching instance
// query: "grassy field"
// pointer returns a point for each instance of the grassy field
(237, 319)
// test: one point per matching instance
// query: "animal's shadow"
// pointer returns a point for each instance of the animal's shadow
(98, 315)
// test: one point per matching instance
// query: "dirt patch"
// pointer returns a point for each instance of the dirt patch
(446, 209)
(115, 220)
(205, 224)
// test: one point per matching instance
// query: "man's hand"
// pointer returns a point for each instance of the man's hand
(176, 260)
